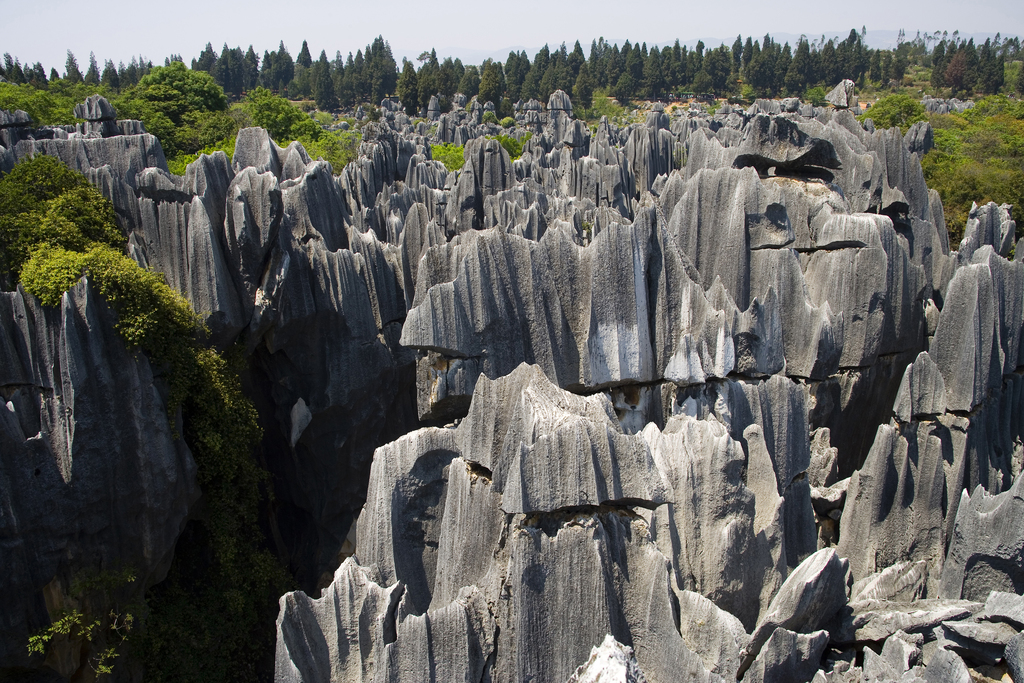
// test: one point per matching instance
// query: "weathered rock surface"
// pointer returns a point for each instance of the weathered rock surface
(539, 555)
(748, 342)
(81, 491)
(610, 662)
(1014, 656)
(809, 598)
(841, 96)
(986, 551)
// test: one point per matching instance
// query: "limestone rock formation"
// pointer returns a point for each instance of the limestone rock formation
(712, 390)
(81, 491)
(841, 96)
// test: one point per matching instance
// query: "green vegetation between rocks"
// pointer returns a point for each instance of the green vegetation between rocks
(978, 157)
(512, 145)
(895, 110)
(452, 156)
(213, 616)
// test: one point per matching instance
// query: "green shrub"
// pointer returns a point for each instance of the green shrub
(816, 96)
(177, 164)
(452, 156)
(277, 115)
(513, 146)
(508, 122)
(603, 106)
(490, 117)
(895, 110)
(338, 147)
(42, 201)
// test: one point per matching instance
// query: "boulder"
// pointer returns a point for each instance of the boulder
(1005, 607)
(788, 657)
(981, 642)
(1014, 657)
(841, 96)
(946, 666)
(809, 598)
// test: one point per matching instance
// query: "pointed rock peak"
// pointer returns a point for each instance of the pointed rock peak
(610, 662)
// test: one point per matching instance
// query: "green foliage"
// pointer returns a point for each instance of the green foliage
(603, 106)
(978, 157)
(54, 106)
(338, 147)
(42, 201)
(816, 96)
(186, 109)
(508, 122)
(490, 117)
(181, 90)
(105, 634)
(177, 164)
(279, 117)
(513, 146)
(452, 156)
(895, 110)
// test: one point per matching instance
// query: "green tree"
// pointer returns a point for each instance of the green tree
(624, 87)
(718, 66)
(176, 103)
(71, 72)
(283, 121)
(895, 110)
(939, 65)
(654, 81)
(899, 66)
(110, 78)
(875, 68)
(408, 89)
(323, 86)
(798, 76)
(304, 59)
(491, 83)
(583, 91)
(469, 85)
(702, 82)
(92, 76)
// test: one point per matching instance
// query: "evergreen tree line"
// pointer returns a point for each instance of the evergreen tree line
(749, 67)
(370, 75)
(114, 77)
(963, 68)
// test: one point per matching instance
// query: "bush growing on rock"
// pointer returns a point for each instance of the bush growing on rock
(513, 146)
(222, 585)
(448, 154)
(42, 201)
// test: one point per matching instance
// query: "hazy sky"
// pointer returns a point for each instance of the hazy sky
(45, 31)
